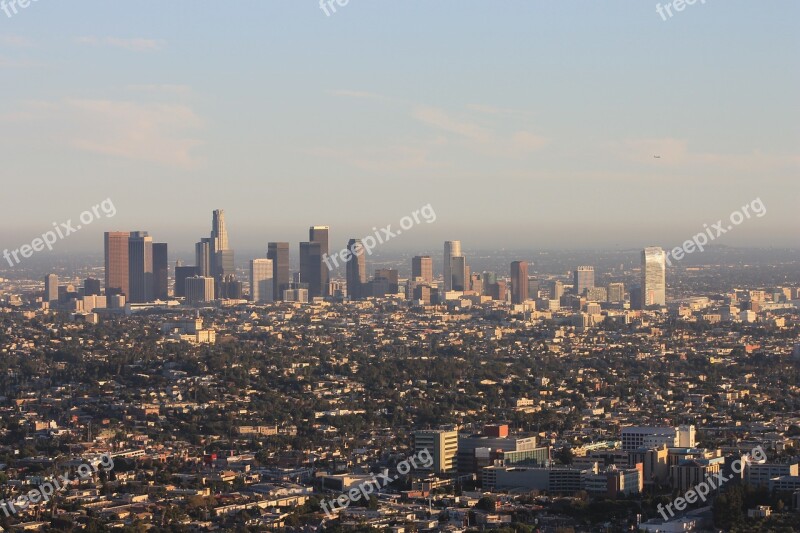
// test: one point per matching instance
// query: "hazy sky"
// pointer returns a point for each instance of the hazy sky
(528, 124)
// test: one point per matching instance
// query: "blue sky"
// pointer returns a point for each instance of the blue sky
(526, 124)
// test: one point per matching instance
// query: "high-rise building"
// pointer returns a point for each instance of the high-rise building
(497, 291)
(296, 293)
(278, 252)
(533, 288)
(91, 287)
(519, 282)
(442, 445)
(654, 277)
(115, 244)
(459, 272)
(261, 286)
(636, 298)
(319, 234)
(310, 261)
(422, 267)
(229, 288)
(181, 274)
(451, 249)
(50, 288)
(616, 292)
(556, 290)
(199, 289)
(422, 293)
(160, 271)
(584, 279)
(219, 234)
(356, 270)
(203, 255)
(140, 267)
(392, 279)
(221, 256)
(226, 266)
(597, 294)
(489, 280)
(477, 283)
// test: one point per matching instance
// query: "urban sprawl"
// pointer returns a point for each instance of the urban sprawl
(426, 398)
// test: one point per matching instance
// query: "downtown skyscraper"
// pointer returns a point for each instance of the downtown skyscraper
(320, 234)
(115, 248)
(422, 267)
(356, 270)
(140, 267)
(213, 256)
(452, 250)
(310, 260)
(224, 265)
(278, 252)
(519, 282)
(654, 277)
(261, 286)
(160, 271)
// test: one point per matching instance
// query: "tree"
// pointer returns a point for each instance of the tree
(487, 503)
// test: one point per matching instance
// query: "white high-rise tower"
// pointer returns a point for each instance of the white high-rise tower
(654, 277)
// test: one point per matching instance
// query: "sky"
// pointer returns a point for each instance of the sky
(531, 125)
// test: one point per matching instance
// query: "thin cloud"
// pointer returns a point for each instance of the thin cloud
(15, 41)
(438, 119)
(17, 63)
(161, 88)
(492, 110)
(145, 132)
(162, 133)
(379, 159)
(135, 44)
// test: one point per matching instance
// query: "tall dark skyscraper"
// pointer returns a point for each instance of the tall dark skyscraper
(310, 273)
(91, 287)
(459, 273)
(319, 234)
(422, 267)
(140, 267)
(115, 244)
(356, 270)
(203, 254)
(279, 253)
(181, 273)
(519, 282)
(160, 271)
